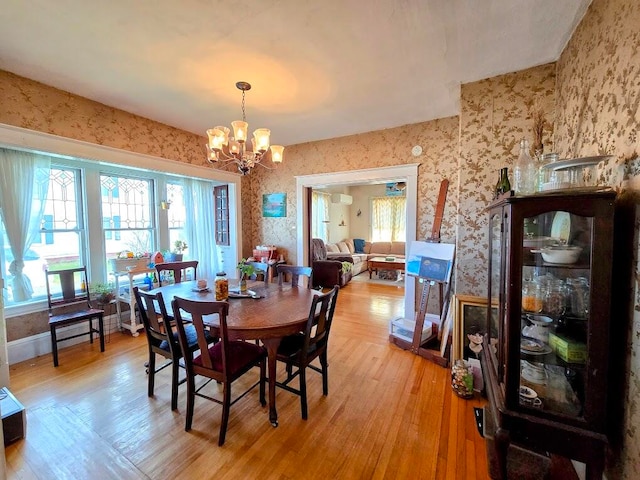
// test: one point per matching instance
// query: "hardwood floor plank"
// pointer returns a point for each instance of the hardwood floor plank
(389, 414)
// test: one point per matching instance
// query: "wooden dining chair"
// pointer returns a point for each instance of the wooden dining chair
(162, 340)
(295, 272)
(69, 304)
(177, 268)
(298, 351)
(224, 362)
(260, 268)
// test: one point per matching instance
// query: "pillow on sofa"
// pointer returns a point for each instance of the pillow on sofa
(358, 245)
(332, 248)
(380, 248)
(350, 246)
(397, 248)
(342, 247)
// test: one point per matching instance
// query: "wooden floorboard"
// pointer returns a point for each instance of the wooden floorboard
(389, 414)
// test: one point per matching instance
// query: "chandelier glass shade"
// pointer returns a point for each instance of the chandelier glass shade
(245, 153)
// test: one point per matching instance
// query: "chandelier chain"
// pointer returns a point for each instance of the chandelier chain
(244, 117)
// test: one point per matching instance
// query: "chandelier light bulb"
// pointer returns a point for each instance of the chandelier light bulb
(276, 153)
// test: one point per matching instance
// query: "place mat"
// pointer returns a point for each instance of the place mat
(248, 294)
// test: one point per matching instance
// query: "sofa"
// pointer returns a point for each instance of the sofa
(370, 249)
(328, 272)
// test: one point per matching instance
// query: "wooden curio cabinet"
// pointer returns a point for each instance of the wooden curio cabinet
(546, 356)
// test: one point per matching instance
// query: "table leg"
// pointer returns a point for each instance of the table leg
(272, 345)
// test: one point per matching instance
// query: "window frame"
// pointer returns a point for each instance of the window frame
(221, 207)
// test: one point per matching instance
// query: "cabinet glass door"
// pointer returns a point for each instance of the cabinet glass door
(495, 280)
(556, 279)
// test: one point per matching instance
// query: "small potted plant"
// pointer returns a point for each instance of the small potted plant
(102, 292)
(179, 246)
(246, 270)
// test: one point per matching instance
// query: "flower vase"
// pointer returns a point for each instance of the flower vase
(243, 285)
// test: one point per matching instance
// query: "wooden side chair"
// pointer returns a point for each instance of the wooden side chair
(162, 340)
(178, 268)
(295, 272)
(223, 362)
(301, 349)
(260, 269)
(70, 304)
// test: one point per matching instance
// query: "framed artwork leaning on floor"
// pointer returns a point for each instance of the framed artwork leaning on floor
(470, 325)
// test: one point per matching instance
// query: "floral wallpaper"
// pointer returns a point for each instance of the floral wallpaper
(495, 114)
(598, 112)
(368, 150)
(32, 105)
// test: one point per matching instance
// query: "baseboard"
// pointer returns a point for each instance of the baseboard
(40, 344)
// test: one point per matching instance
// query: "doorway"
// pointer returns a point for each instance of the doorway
(401, 173)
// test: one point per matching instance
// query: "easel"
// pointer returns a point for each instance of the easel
(419, 346)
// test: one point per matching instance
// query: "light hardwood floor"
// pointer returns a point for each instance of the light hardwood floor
(389, 414)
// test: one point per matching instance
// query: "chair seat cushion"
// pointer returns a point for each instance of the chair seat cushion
(291, 346)
(192, 338)
(240, 355)
(70, 317)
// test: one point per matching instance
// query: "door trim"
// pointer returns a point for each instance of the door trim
(407, 173)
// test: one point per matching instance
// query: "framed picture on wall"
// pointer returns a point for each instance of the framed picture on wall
(274, 205)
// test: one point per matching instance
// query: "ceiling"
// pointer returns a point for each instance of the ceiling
(318, 69)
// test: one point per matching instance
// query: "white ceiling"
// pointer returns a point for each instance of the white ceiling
(319, 69)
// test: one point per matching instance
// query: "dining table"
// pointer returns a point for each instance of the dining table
(269, 313)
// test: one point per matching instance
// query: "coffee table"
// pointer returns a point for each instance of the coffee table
(382, 263)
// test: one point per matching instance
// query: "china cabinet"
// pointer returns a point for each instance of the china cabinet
(546, 357)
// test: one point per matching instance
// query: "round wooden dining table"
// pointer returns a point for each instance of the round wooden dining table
(279, 311)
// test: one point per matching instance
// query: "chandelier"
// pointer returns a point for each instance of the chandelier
(236, 149)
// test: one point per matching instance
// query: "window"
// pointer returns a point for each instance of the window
(320, 215)
(177, 212)
(86, 212)
(127, 216)
(388, 219)
(62, 231)
(221, 199)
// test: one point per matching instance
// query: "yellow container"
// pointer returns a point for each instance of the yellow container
(568, 350)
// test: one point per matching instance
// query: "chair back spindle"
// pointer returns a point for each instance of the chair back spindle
(177, 268)
(295, 272)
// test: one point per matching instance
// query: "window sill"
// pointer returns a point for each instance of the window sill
(11, 311)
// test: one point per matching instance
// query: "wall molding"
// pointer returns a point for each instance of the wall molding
(37, 345)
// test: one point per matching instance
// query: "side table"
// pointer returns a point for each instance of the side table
(124, 294)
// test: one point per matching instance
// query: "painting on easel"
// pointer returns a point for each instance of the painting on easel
(431, 261)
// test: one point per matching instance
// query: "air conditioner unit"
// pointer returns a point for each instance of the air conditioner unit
(341, 198)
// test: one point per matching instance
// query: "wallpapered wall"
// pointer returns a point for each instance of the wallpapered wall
(35, 106)
(598, 105)
(383, 148)
(495, 114)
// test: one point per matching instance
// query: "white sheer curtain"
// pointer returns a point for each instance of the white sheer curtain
(24, 181)
(388, 219)
(200, 226)
(320, 215)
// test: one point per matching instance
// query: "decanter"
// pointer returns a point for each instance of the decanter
(525, 172)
